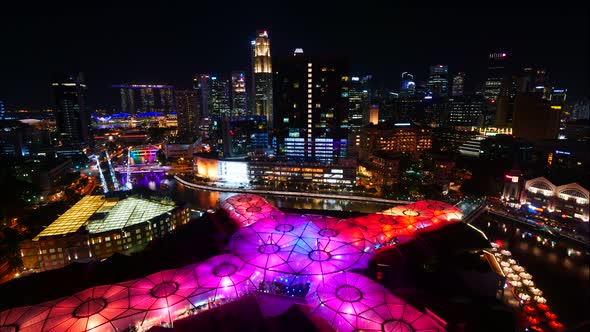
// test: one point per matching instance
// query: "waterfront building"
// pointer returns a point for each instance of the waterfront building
(97, 227)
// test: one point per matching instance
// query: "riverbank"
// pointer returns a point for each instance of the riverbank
(290, 193)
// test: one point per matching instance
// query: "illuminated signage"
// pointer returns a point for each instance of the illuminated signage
(556, 107)
(562, 152)
(354, 78)
(402, 124)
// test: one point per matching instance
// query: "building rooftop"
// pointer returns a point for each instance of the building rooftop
(74, 218)
(101, 215)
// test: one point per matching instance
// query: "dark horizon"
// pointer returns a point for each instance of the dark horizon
(115, 45)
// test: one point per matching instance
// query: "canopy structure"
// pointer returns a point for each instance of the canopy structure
(246, 209)
(287, 253)
(301, 254)
(28, 319)
(93, 309)
(225, 276)
(351, 302)
(161, 297)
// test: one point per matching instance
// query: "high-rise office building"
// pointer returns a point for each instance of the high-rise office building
(438, 81)
(558, 96)
(238, 93)
(187, 114)
(498, 71)
(2, 111)
(144, 98)
(220, 97)
(262, 77)
(312, 105)
(202, 85)
(358, 107)
(458, 88)
(71, 117)
(466, 111)
(408, 86)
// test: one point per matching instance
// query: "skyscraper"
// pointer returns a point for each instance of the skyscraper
(143, 98)
(262, 77)
(358, 108)
(408, 86)
(238, 93)
(458, 84)
(438, 81)
(497, 72)
(219, 98)
(202, 85)
(187, 113)
(312, 106)
(2, 111)
(71, 117)
(466, 111)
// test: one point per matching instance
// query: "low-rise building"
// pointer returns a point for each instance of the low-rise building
(568, 201)
(97, 227)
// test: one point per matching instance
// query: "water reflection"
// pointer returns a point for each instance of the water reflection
(561, 268)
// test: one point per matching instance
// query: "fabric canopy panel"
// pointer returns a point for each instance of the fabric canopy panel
(28, 319)
(93, 309)
(442, 211)
(351, 302)
(225, 276)
(302, 253)
(246, 209)
(161, 297)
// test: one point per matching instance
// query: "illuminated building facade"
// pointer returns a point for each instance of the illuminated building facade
(458, 87)
(335, 176)
(382, 167)
(238, 93)
(220, 97)
(466, 111)
(187, 114)
(143, 154)
(312, 108)
(240, 173)
(497, 72)
(399, 137)
(358, 105)
(71, 117)
(408, 86)
(96, 227)
(202, 85)
(568, 201)
(143, 98)
(239, 136)
(262, 77)
(438, 81)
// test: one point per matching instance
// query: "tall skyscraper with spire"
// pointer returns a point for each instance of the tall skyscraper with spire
(262, 77)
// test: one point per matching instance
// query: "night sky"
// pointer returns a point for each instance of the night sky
(169, 44)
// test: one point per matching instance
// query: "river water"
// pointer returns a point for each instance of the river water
(559, 268)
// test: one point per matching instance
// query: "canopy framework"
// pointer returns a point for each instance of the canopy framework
(303, 253)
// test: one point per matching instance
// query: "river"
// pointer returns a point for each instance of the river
(560, 267)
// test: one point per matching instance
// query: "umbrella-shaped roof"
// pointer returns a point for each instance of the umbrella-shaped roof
(247, 208)
(91, 309)
(351, 302)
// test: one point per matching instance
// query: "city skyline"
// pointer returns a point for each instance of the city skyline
(392, 41)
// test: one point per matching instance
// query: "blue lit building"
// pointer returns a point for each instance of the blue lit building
(438, 81)
(312, 105)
